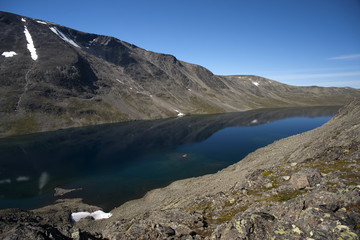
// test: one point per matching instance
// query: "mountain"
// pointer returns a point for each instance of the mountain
(55, 77)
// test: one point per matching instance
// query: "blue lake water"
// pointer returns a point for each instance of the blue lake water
(115, 163)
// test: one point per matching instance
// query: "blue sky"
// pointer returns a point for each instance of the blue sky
(298, 42)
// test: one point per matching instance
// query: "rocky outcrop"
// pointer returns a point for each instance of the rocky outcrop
(303, 187)
(81, 79)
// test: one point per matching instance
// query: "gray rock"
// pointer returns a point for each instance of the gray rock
(306, 177)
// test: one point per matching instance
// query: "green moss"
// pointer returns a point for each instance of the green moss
(282, 196)
(204, 107)
(26, 124)
(243, 208)
(287, 195)
(201, 207)
(338, 165)
(229, 203)
(255, 192)
(228, 216)
(268, 173)
(332, 186)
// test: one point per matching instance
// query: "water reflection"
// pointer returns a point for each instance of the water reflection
(123, 161)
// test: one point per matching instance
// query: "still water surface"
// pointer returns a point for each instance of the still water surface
(118, 162)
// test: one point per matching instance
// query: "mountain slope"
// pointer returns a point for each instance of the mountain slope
(69, 78)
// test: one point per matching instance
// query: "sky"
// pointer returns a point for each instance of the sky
(297, 42)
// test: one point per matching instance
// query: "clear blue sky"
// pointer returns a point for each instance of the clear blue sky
(299, 42)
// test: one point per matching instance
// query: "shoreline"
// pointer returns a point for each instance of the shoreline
(241, 198)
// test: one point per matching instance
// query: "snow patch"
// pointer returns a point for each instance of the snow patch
(23, 19)
(255, 83)
(5, 181)
(22, 178)
(63, 36)
(189, 89)
(180, 114)
(42, 22)
(97, 215)
(254, 121)
(9, 54)
(92, 41)
(30, 44)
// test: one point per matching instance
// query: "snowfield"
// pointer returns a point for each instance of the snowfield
(9, 54)
(30, 44)
(97, 215)
(63, 36)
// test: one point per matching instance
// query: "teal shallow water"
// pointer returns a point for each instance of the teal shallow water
(118, 162)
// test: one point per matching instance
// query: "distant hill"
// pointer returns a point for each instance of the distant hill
(55, 77)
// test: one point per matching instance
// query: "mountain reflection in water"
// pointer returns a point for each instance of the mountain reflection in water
(115, 163)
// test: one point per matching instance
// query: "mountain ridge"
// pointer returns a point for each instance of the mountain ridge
(84, 79)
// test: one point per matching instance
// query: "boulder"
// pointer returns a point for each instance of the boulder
(307, 177)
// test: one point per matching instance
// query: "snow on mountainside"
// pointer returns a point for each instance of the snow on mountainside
(63, 36)
(58, 77)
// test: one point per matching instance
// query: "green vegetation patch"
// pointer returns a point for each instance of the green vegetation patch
(230, 214)
(268, 173)
(204, 107)
(283, 196)
(26, 124)
(328, 167)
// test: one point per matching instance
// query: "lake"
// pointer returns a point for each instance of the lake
(115, 163)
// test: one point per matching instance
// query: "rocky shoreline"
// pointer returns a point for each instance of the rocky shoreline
(303, 187)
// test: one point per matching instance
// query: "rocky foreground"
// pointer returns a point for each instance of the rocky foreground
(303, 187)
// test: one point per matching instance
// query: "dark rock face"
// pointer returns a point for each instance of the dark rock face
(84, 79)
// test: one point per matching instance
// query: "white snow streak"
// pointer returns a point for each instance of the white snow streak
(30, 44)
(254, 121)
(97, 215)
(23, 19)
(63, 36)
(9, 54)
(255, 83)
(42, 22)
